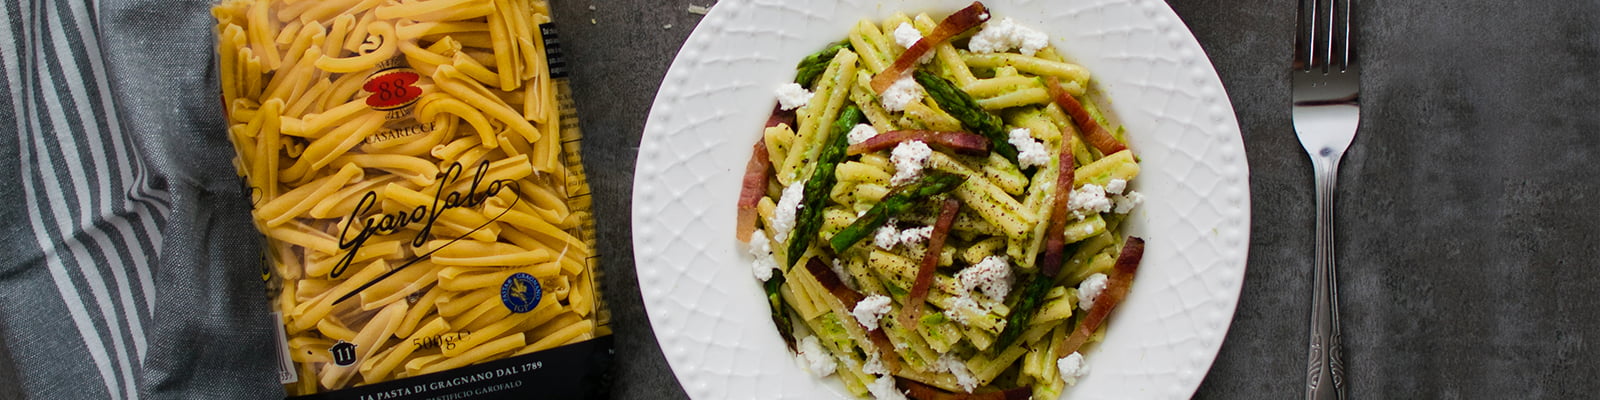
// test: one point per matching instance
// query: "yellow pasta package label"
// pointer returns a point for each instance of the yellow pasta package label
(414, 168)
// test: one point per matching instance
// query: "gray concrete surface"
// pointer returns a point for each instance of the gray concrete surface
(1466, 242)
(1466, 208)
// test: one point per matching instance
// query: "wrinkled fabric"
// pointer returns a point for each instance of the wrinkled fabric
(126, 236)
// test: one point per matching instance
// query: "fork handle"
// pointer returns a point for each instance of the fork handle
(1325, 377)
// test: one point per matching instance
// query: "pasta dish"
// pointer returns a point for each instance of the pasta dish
(935, 208)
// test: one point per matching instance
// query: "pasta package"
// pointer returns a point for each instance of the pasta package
(414, 168)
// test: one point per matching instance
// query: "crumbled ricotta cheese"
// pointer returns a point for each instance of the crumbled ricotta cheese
(949, 363)
(791, 96)
(884, 389)
(906, 35)
(1090, 198)
(1072, 368)
(909, 158)
(992, 276)
(887, 236)
(814, 358)
(870, 310)
(1006, 35)
(957, 308)
(1090, 289)
(1126, 203)
(788, 207)
(861, 133)
(901, 94)
(762, 249)
(874, 364)
(916, 235)
(1116, 186)
(838, 269)
(1030, 153)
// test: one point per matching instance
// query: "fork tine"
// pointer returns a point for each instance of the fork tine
(1344, 47)
(1324, 35)
(1304, 34)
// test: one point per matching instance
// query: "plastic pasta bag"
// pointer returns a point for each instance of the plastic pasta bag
(414, 167)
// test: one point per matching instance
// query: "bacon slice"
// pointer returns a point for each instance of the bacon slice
(930, 259)
(1116, 290)
(831, 282)
(1095, 134)
(753, 188)
(1056, 235)
(781, 117)
(923, 391)
(959, 142)
(961, 21)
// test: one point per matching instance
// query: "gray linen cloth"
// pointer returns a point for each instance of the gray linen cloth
(128, 263)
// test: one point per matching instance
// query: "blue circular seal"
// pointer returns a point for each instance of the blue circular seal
(521, 292)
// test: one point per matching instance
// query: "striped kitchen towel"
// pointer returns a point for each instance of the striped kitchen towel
(130, 265)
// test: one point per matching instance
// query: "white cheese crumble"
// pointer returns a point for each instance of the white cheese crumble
(838, 269)
(1006, 35)
(874, 364)
(870, 310)
(949, 363)
(762, 249)
(814, 358)
(1090, 289)
(906, 35)
(992, 276)
(788, 208)
(1072, 367)
(916, 235)
(956, 306)
(1090, 198)
(861, 133)
(884, 389)
(909, 158)
(1126, 203)
(791, 96)
(1116, 186)
(1030, 153)
(901, 94)
(887, 236)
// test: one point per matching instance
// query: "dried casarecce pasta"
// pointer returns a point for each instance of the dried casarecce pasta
(414, 168)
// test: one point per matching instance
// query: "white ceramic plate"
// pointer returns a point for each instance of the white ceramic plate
(709, 311)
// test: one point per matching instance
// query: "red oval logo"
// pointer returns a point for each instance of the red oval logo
(392, 90)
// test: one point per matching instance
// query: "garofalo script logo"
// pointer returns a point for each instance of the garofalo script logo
(363, 224)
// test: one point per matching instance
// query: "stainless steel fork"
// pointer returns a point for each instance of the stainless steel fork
(1327, 110)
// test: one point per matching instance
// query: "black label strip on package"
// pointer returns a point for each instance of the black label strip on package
(552, 51)
(575, 371)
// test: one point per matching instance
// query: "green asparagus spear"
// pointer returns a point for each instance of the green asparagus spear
(961, 106)
(812, 66)
(779, 316)
(809, 221)
(896, 203)
(1031, 296)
